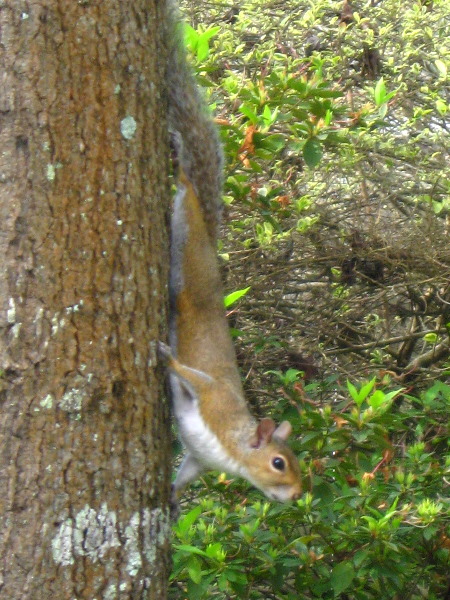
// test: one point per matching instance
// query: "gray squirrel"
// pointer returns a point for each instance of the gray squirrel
(213, 419)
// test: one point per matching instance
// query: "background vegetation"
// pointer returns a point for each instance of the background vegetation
(335, 123)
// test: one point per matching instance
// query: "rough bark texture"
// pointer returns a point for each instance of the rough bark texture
(83, 188)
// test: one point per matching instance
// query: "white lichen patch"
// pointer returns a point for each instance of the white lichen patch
(74, 308)
(128, 127)
(62, 544)
(91, 534)
(47, 402)
(11, 312)
(50, 172)
(137, 359)
(39, 321)
(110, 592)
(72, 400)
(55, 325)
(15, 330)
(152, 359)
(134, 559)
(156, 526)
(95, 532)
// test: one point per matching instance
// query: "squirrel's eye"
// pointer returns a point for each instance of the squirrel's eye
(278, 463)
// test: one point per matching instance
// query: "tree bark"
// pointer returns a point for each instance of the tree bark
(84, 436)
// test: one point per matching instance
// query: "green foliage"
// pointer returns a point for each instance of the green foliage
(288, 112)
(332, 129)
(380, 94)
(198, 42)
(233, 297)
(312, 152)
(373, 522)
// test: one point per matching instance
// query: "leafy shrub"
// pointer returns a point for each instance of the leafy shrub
(335, 134)
(373, 522)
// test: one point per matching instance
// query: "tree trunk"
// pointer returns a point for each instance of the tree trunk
(84, 436)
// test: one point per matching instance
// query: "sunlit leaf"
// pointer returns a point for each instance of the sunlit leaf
(312, 152)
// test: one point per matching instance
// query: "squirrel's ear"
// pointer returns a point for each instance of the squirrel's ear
(264, 432)
(283, 431)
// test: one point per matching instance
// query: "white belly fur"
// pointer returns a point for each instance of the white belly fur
(198, 438)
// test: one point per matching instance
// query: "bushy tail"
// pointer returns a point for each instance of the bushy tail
(195, 135)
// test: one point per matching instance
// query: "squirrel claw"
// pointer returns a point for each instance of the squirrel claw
(164, 351)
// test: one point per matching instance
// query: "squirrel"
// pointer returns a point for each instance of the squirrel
(213, 419)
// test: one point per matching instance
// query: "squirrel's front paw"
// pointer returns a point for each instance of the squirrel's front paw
(164, 352)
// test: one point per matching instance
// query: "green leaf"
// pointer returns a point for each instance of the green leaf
(376, 399)
(366, 389)
(291, 375)
(441, 107)
(341, 577)
(210, 33)
(216, 552)
(274, 142)
(195, 569)
(324, 93)
(312, 152)
(203, 43)
(353, 392)
(297, 84)
(185, 522)
(190, 549)
(249, 113)
(429, 532)
(382, 111)
(391, 395)
(361, 557)
(430, 338)
(441, 67)
(202, 53)
(361, 395)
(328, 117)
(198, 42)
(234, 296)
(190, 36)
(381, 96)
(239, 577)
(268, 116)
(379, 92)
(223, 581)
